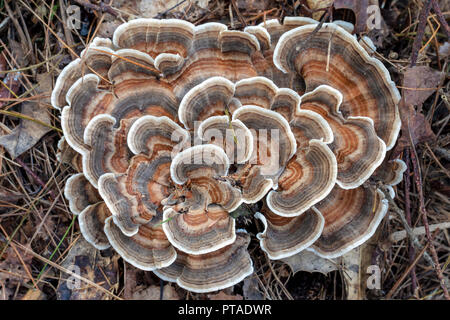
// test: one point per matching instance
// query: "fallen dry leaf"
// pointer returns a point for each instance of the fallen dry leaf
(415, 80)
(86, 261)
(18, 49)
(28, 132)
(153, 8)
(310, 262)
(359, 7)
(11, 84)
(34, 294)
(17, 273)
(131, 9)
(415, 129)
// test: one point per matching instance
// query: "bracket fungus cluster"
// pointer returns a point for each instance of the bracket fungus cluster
(178, 125)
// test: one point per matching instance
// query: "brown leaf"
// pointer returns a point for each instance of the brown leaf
(18, 50)
(17, 274)
(45, 86)
(34, 294)
(223, 296)
(359, 7)
(86, 261)
(416, 79)
(11, 83)
(153, 8)
(415, 128)
(310, 262)
(28, 132)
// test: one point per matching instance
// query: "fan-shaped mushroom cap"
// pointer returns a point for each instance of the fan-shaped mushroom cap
(231, 135)
(130, 99)
(169, 63)
(203, 167)
(351, 217)
(201, 223)
(85, 201)
(199, 230)
(211, 271)
(131, 64)
(357, 148)
(92, 223)
(257, 91)
(257, 119)
(308, 178)
(147, 250)
(94, 59)
(307, 125)
(283, 237)
(207, 36)
(367, 44)
(154, 136)
(391, 172)
(261, 34)
(334, 57)
(199, 161)
(273, 145)
(210, 98)
(154, 36)
(80, 193)
(276, 29)
(347, 26)
(107, 151)
(286, 102)
(135, 198)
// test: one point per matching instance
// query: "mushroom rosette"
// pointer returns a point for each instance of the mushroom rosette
(177, 125)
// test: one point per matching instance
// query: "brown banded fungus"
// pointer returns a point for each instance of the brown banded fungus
(177, 125)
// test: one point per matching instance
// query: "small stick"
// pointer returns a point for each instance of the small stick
(423, 211)
(441, 18)
(241, 18)
(102, 7)
(420, 31)
(411, 251)
(402, 234)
